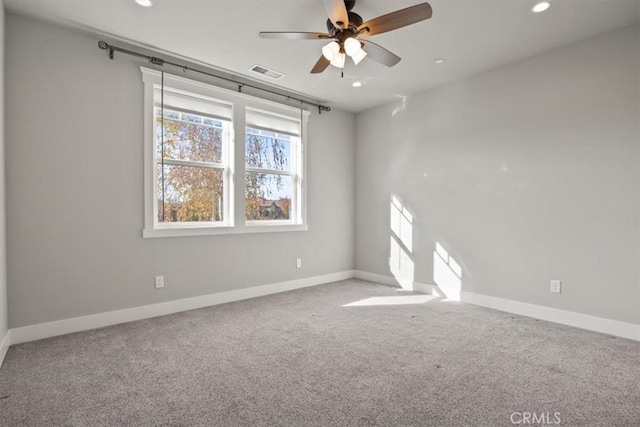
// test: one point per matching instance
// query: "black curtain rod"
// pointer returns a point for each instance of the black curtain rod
(161, 62)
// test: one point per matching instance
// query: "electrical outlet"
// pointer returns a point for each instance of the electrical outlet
(299, 263)
(556, 286)
(159, 282)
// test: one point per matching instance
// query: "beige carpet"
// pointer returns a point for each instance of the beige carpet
(309, 358)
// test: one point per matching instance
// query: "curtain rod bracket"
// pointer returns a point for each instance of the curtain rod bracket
(156, 61)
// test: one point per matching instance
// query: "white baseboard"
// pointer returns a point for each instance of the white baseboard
(422, 288)
(100, 320)
(569, 318)
(577, 320)
(4, 346)
(392, 281)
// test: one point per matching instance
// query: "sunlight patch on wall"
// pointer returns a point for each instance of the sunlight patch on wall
(401, 265)
(402, 223)
(401, 244)
(447, 273)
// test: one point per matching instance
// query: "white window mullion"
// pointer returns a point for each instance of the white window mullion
(238, 162)
(228, 154)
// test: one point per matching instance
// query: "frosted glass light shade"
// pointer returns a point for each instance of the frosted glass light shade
(338, 60)
(351, 46)
(329, 51)
(358, 56)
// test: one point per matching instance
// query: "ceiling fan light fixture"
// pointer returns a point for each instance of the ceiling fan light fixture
(145, 3)
(331, 50)
(352, 46)
(344, 27)
(338, 60)
(358, 56)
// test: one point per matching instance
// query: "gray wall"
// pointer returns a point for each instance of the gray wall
(75, 192)
(3, 239)
(523, 174)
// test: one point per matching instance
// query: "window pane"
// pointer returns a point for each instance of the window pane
(191, 194)
(191, 118)
(267, 196)
(211, 122)
(267, 151)
(184, 140)
(168, 114)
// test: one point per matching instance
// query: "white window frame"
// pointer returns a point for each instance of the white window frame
(234, 177)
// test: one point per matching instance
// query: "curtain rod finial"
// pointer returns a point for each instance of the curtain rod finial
(105, 46)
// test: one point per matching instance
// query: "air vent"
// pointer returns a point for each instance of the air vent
(275, 75)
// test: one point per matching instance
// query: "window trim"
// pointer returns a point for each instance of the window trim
(235, 198)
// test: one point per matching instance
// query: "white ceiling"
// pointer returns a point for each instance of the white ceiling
(472, 35)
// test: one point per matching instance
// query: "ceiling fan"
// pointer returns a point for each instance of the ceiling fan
(345, 28)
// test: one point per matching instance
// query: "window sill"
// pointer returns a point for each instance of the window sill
(150, 233)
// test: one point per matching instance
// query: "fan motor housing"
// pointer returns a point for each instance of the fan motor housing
(355, 21)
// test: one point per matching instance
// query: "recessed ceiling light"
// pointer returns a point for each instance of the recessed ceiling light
(145, 3)
(439, 61)
(356, 84)
(541, 7)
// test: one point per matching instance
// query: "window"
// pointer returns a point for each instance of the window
(192, 161)
(272, 168)
(200, 180)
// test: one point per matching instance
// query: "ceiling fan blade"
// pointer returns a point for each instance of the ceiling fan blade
(291, 35)
(337, 12)
(320, 66)
(398, 19)
(379, 54)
